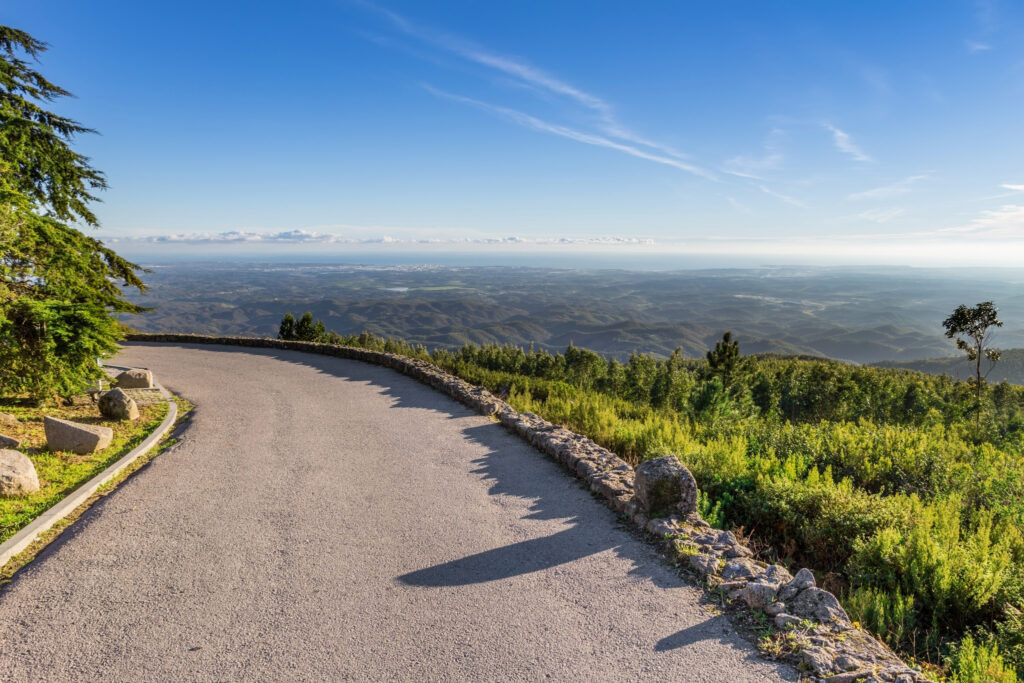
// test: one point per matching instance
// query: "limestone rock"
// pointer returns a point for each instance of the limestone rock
(704, 564)
(762, 590)
(17, 474)
(759, 595)
(739, 551)
(663, 485)
(818, 658)
(663, 526)
(8, 421)
(8, 442)
(775, 574)
(848, 663)
(803, 579)
(136, 378)
(775, 609)
(740, 568)
(818, 604)
(117, 405)
(852, 676)
(783, 620)
(63, 435)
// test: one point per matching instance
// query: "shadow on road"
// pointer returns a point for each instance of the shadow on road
(512, 468)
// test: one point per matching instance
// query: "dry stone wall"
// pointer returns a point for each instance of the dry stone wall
(816, 630)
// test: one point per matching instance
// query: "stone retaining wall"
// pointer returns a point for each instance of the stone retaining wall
(813, 627)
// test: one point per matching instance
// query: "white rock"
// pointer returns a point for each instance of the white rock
(63, 435)
(136, 378)
(17, 474)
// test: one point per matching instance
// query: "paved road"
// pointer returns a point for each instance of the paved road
(323, 519)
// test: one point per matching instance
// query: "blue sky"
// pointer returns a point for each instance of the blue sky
(832, 132)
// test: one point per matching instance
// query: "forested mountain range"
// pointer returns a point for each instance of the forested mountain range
(858, 315)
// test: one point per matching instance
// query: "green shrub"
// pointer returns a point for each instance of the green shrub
(889, 615)
(978, 663)
(953, 570)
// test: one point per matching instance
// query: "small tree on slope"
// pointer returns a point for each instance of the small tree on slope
(970, 328)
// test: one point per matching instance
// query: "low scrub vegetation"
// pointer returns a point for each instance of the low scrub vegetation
(901, 490)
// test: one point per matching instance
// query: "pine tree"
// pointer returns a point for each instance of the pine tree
(287, 328)
(59, 288)
(724, 359)
(305, 329)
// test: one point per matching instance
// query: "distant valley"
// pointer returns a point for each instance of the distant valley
(858, 315)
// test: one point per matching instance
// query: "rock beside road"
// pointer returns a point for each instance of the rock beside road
(17, 474)
(136, 378)
(117, 405)
(663, 485)
(64, 435)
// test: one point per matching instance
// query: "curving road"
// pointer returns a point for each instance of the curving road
(324, 519)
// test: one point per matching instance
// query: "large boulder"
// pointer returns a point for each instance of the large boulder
(136, 378)
(117, 405)
(664, 486)
(8, 421)
(63, 435)
(17, 474)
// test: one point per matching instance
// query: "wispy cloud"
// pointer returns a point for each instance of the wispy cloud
(755, 166)
(1005, 222)
(881, 215)
(782, 197)
(738, 205)
(985, 16)
(844, 143)
(526, 74)
(534, 123)
(900, 187)
(1012, 188)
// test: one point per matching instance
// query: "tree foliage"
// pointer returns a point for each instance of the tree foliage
(306, 328)
(59, 288)
(970, 327)
(724, 359)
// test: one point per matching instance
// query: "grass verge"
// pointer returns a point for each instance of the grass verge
(61, 473)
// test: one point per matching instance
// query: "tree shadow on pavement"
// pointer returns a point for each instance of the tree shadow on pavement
(405, 391)
(514, 468)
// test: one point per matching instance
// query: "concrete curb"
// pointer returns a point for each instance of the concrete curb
(24, 538)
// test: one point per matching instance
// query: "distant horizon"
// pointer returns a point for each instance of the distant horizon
(550, 258)
(548, 261)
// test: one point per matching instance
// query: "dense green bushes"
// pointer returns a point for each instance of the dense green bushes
(883, 481)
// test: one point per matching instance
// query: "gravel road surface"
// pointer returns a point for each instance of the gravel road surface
(323, 519)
